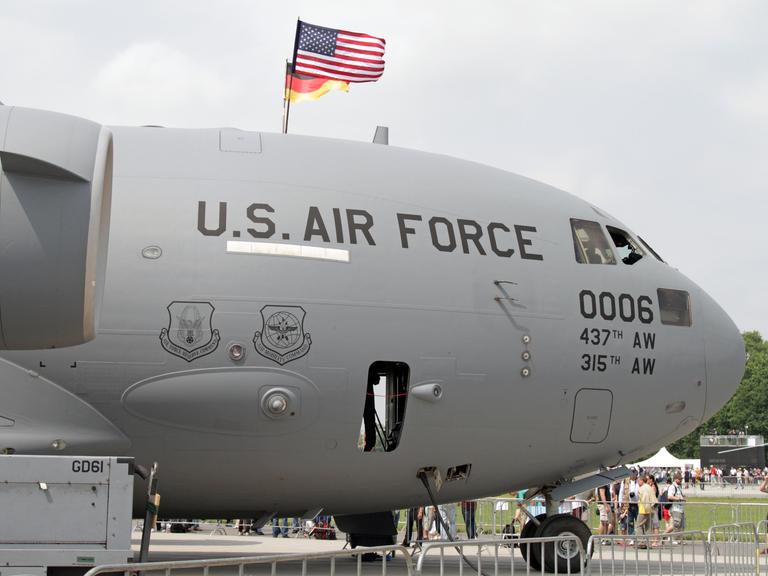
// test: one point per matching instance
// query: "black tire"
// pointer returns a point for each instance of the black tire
(561, 557)
(529, 531)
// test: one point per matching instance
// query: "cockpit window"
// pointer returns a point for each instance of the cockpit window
(590, 243)
(651, 250)
(629, 250)
(675, 306)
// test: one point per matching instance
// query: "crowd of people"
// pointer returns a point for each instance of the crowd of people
(738, 477)
(637, 505)
(741, 476)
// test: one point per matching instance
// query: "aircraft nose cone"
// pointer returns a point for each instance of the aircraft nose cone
(725, 357)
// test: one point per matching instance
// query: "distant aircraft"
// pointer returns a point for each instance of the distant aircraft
(218, 300)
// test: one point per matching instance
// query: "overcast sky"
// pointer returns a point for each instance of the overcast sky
(656, 111)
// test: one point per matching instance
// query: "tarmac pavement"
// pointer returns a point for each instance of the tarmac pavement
(199, 545)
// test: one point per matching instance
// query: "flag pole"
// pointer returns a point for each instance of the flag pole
(293, 71)
(286, 92)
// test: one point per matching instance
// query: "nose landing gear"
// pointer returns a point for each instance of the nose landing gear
(562, 557)
(559, 557)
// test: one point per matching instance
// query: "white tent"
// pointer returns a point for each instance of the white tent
(663, 459)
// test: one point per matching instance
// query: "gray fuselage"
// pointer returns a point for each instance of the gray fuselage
(545, 367)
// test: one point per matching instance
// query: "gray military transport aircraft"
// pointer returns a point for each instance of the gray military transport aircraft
(240, 306)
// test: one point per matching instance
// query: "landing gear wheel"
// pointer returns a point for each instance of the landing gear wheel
(529, 531)
(560, 557)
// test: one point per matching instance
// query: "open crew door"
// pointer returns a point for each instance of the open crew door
(386, 396)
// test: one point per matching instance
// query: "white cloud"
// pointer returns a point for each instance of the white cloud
(748, 99)
(151, 81)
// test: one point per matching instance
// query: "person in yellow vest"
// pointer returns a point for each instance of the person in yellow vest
(646, 502)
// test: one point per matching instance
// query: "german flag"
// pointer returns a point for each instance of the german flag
(301, 87)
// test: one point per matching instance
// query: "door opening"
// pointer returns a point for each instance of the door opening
(386, 395)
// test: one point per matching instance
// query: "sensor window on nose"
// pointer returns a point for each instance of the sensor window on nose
(675, 307)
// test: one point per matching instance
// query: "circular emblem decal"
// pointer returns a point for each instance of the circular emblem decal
(282, 338)
(283, 329)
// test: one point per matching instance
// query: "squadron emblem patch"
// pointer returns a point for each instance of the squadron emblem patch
(282, 337)
(190, 334)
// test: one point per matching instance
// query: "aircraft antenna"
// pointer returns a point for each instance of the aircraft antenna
(381, 136)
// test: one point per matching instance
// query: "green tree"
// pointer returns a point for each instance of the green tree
(747, 410)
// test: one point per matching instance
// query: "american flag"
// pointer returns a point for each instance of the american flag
(338, 54)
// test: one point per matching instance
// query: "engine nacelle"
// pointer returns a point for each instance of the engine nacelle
(55, 192)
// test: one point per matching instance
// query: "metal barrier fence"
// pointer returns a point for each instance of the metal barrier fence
(734, 481)
(733, 549)
(761, 533)
(737, 549)
(307, 562)
(754, 512)
(497, 516)
(673, 554)
(727, 550)
(494, 556)
(490, 557)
